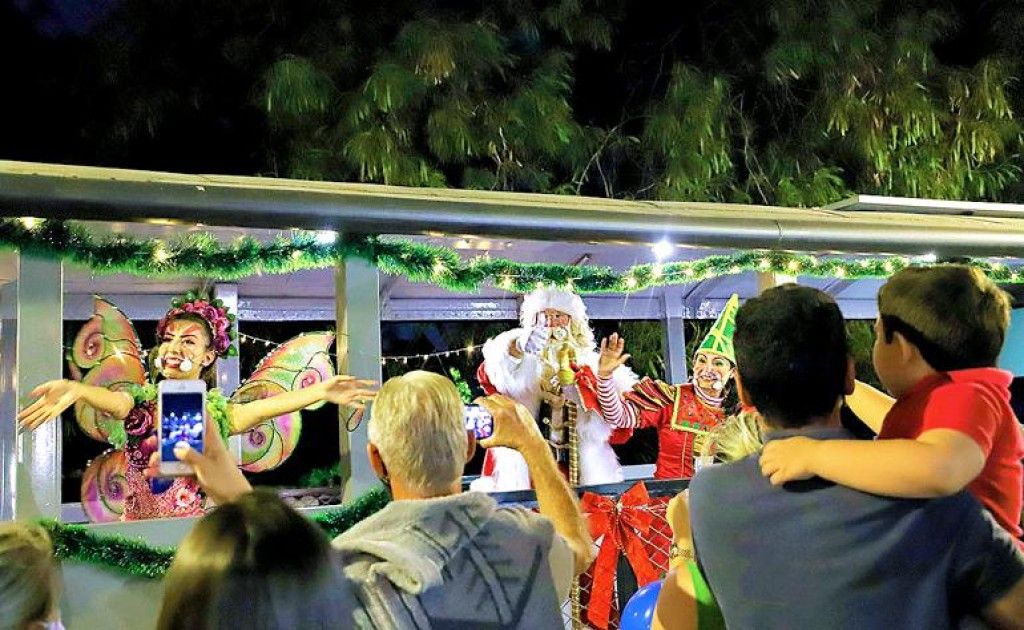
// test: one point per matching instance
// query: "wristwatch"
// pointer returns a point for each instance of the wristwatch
(677, 552)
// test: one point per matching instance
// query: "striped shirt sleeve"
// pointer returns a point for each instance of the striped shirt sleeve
(614, 410)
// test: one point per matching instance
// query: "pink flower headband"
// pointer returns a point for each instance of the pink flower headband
(215, 314)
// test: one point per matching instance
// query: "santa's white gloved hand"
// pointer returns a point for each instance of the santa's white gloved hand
(533, 341)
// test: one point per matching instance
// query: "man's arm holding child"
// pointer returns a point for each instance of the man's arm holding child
(939, 463)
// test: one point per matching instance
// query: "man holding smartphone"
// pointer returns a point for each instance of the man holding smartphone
(435, 552)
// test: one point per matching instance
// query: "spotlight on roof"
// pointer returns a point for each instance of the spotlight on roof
(663, 249)
(326, 237)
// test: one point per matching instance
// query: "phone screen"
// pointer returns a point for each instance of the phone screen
(181, 420)
(479, 421)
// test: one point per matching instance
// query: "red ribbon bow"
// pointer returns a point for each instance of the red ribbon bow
(623, 524)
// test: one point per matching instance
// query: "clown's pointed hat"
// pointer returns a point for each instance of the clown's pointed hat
(719, 339)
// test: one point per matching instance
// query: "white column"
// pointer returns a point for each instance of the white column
(40, 357)
(228, 369)
(357, 295)
(767, 280)
(674, 329)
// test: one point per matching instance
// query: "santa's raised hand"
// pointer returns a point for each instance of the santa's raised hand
(534, 340)
(612, 357)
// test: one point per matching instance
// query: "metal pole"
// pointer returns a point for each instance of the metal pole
(674, 329)
(357, 292)
(40, 355)
(768, 280)
(8, 396)
(229, 369)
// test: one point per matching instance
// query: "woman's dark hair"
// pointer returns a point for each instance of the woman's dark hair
(255, 564)
(209, 373)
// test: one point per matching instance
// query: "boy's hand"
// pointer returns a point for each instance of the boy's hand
(787, 460)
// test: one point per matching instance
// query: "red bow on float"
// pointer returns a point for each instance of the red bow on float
(623, 524)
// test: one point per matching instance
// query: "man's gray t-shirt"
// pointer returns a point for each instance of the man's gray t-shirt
(816, 555)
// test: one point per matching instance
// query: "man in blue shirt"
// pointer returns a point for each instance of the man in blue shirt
(815, 555)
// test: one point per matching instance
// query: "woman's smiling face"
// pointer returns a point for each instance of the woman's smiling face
(184, 350)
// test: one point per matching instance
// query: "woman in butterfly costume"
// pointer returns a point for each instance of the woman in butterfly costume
(115, 400)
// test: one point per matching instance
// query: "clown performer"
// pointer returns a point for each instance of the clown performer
(190, 337)
(683, 414)
(550, 359)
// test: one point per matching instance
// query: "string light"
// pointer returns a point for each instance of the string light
(207, 258)
(657, 271)
(630, 282)
(160, 254)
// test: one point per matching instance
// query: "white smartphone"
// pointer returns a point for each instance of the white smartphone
(180, 407)
(479, 421)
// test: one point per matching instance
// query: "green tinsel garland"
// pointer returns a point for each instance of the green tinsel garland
(76, 543)
(201, 255)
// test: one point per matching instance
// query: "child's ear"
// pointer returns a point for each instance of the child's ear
(908, 351)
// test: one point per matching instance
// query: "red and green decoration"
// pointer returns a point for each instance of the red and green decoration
(203, 256)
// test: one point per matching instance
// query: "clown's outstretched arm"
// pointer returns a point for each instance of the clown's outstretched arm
(54, 397)
(340, 390)
(616, 411)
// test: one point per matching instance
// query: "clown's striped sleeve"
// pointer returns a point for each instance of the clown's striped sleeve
(648, 404)
(615, 412)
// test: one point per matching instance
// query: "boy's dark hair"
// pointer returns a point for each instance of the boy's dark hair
(954, 314)
(792, 354)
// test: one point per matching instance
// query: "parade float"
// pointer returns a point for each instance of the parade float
(358, 256)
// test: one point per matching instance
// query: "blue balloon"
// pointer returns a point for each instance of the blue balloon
(639, 611)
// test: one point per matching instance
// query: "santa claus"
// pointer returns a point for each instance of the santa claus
(551, 359)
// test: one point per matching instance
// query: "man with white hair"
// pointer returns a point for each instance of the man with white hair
(438, 557)
(551, 358)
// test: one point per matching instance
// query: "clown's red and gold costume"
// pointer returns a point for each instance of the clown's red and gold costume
(683, 414)
(675, 410)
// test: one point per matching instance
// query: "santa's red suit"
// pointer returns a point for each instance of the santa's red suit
(520, 379)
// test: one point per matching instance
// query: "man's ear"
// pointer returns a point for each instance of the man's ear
(741, 391)
(376, 462)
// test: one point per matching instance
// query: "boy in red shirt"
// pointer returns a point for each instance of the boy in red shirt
(938, 337)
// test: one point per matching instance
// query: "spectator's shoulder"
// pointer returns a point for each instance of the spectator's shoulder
(715, 480)
(525, 519)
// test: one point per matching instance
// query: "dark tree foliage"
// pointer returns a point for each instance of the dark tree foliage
(785, 102)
